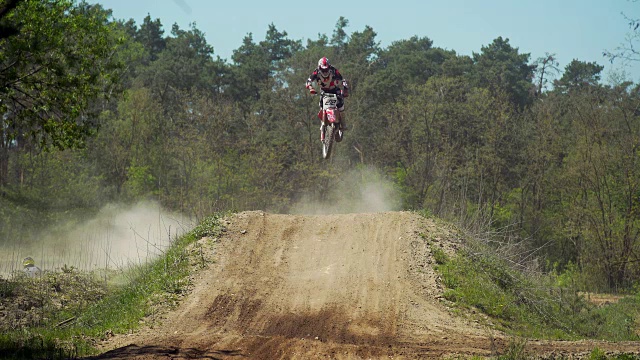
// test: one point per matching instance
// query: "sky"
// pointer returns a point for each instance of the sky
(570, 29)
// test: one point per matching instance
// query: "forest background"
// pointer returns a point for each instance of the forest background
(98, 110)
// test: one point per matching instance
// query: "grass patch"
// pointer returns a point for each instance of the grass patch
(61, 315)
(527, 306)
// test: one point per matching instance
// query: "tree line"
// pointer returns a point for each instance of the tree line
(97, 110)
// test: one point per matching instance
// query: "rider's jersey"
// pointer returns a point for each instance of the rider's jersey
(333, 84)
(32, 270)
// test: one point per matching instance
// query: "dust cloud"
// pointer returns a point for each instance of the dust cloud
(118, 236)
(361, 190)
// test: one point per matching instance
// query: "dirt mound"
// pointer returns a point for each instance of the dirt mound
(324, 286)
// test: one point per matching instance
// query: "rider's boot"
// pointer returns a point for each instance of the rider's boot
(343, 123)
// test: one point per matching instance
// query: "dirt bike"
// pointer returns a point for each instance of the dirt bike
(330, 116)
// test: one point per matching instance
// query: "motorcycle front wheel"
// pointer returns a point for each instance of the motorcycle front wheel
(327, 143)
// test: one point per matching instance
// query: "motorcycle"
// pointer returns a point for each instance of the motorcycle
(330, 116)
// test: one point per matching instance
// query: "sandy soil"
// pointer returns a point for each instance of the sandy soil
(353, 286)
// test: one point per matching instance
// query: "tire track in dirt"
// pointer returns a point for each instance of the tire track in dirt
(314, 287)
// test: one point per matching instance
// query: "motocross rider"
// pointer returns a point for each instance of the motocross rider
(329, 79)
(30, 268)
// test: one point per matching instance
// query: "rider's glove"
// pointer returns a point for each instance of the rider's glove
(312, 91)
(345, 92)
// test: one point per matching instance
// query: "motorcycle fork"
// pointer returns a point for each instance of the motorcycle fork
(323, 126)
(325, 122)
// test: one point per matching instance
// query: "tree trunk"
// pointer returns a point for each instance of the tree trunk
(4, 163)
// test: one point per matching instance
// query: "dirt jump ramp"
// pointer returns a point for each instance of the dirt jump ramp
(353, 286)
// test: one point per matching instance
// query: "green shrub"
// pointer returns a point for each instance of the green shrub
(526, 306)
(439, 255)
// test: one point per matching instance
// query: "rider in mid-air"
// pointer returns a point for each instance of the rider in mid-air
(329, 79)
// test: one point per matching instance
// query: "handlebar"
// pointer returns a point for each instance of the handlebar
(322, 93)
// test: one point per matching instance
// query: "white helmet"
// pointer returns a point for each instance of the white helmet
(324, 67)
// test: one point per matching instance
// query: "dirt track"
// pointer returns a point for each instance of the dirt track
(327, 286)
